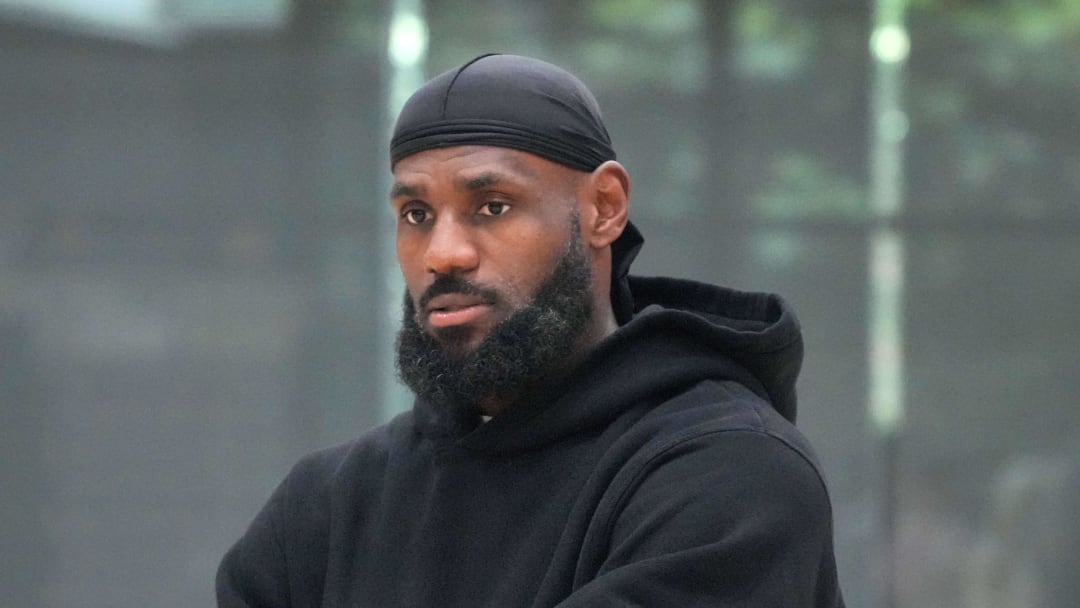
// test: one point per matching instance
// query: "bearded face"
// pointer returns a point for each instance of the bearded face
(531, 344)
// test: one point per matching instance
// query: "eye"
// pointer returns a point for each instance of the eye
(494, 208)
(415, 216)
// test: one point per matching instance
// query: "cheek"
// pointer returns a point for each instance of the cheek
(526, 265)
(410, 261)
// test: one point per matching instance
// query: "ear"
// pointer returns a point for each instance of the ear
(607, 204)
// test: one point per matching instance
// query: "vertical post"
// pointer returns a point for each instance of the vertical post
(407, 50)
(889, 46)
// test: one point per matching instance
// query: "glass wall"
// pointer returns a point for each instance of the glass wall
(193, 262)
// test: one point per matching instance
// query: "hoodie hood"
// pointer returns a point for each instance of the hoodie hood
(682, 333)
(758, 331)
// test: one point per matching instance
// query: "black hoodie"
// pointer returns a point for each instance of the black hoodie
(666, 471)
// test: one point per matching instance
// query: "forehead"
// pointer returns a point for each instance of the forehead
(469, 163)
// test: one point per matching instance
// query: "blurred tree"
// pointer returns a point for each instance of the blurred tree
(337, 22)
(994, 90)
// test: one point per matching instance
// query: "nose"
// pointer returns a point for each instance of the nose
(450, 248)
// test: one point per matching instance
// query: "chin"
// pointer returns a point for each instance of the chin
(458, 341)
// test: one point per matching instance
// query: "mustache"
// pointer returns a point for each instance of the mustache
(452, 283)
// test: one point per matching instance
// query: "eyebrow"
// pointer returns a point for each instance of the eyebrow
(483, 180)
(518, 172)
(488, 178)
(400, 189)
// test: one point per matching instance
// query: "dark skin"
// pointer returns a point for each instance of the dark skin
(501, 218)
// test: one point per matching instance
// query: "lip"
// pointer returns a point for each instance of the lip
(452, 309)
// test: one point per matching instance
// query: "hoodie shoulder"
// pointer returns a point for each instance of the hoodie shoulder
(759, 331)
(717, 495)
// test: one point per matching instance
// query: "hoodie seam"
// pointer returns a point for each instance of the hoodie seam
(687, 436)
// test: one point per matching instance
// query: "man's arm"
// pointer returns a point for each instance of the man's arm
(280, 561)
(731, 518)
(253, 573)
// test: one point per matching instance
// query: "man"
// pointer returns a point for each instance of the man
(580, 437)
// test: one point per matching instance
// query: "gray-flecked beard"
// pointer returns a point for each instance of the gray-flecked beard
(531, 346)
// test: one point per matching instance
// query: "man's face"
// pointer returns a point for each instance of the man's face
(493, 219)
(498, 282)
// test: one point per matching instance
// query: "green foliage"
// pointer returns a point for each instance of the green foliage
(1032, 23)
(993, 95)
(642, 43)
(773, 43)
(651, 18)
(803, 187)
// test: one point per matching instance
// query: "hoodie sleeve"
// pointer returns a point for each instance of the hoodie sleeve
(253, 572)
(280, 561)
(727, 518)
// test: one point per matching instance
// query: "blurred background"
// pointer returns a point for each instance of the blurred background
(197, 284)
